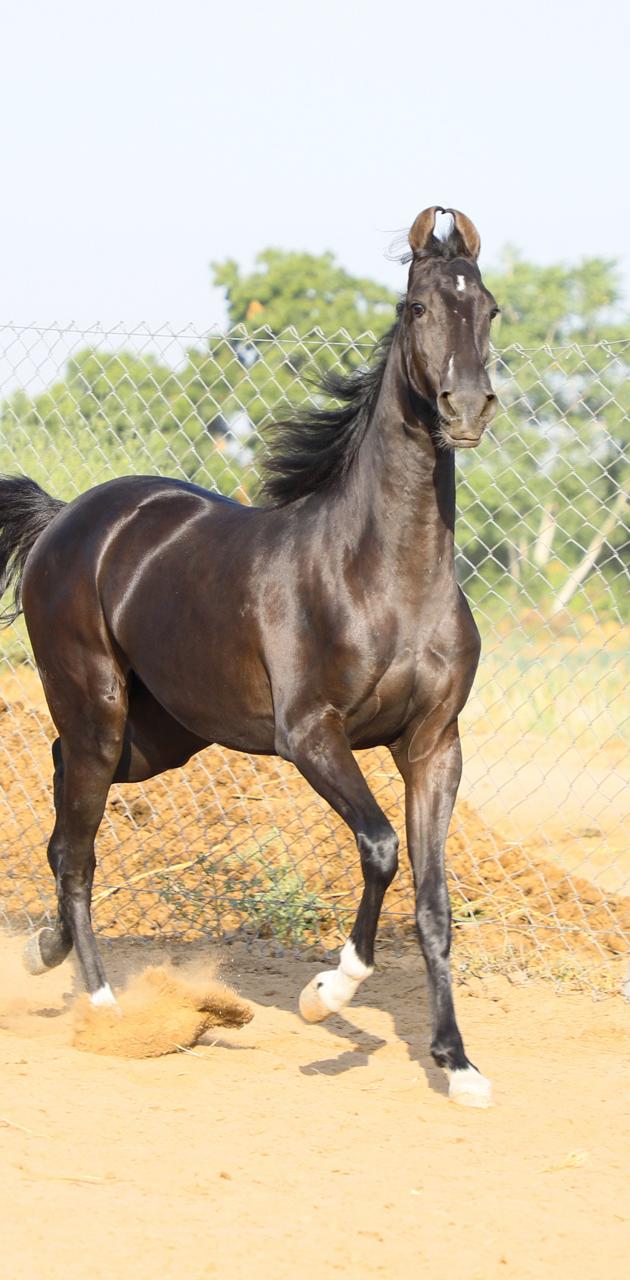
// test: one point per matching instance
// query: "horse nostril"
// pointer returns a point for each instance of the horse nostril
(470, 403)
(445, 405)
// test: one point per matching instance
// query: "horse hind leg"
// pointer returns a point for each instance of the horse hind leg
(153, 742)
(91, 721)
(49, 948)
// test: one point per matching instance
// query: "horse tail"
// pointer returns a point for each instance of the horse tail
(25, 511)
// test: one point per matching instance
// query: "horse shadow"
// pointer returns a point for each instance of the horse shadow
(411, 1018)
(273, 977)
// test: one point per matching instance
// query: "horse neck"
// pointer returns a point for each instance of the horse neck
(400, 486)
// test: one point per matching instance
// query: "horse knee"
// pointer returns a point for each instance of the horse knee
(379, 854)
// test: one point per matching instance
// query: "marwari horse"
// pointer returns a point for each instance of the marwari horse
(328, 619)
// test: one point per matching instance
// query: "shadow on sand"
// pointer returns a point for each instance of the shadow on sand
(273, 977)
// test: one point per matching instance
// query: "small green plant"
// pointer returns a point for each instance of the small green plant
(272, 895)
(256, 886)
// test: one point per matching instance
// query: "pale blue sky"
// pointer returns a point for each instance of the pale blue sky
(139, 140)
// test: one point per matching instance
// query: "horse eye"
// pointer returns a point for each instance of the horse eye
(496, 311)
(418, 309)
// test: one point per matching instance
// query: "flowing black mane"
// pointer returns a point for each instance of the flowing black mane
(315, 448)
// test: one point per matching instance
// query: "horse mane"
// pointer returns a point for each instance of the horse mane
(315, 449)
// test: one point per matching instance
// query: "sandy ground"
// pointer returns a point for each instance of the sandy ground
(283, 1149)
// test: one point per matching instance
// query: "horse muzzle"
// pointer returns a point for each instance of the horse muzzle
(464, 415)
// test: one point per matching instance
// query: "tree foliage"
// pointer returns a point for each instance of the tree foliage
(540, 503)
(539, 497)
(303, 291)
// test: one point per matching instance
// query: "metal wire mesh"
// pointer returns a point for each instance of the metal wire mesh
(538, 859)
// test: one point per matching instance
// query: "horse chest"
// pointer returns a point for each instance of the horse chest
(415, 682)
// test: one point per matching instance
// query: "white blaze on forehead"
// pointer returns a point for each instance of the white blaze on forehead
(461, 284)
(449, 371)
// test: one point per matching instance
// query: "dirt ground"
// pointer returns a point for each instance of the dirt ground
(290, 1150)
(283, 1149)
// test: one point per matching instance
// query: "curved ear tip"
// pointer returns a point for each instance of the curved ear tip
(422, 226)
(467, 231)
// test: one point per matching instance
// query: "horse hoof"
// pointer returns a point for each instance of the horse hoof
(104, 998)
(32, 955)
(312, 1006)
(469, 1088)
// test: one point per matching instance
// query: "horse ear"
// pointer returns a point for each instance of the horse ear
(421, 234)
(468, 235)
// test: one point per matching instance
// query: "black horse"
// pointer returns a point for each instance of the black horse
(164, 618)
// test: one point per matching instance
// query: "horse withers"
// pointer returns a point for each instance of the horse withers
(327, 619)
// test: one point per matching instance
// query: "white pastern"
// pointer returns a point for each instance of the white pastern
(350, 964)
(461, 284)
(469, 1088)
(336, 987)
(103, 998)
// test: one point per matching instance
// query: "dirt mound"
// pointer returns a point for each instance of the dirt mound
(160, 1012)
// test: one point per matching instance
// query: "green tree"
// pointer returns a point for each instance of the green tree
(119, 413)
(552, 305)
(548, 503)
(303, 291)
(293, 318)
(543, 502)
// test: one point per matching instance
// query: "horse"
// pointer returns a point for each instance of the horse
(324, 620)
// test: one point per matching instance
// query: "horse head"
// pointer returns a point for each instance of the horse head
(446, 317)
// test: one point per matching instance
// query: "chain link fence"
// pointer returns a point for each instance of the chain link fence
(538, 854)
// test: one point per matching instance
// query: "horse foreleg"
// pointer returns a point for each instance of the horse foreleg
(323, 756)
(431, 768)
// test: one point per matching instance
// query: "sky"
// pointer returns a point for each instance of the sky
(141, 140)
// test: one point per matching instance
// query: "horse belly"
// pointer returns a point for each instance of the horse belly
(218, 701)
(204, 668)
